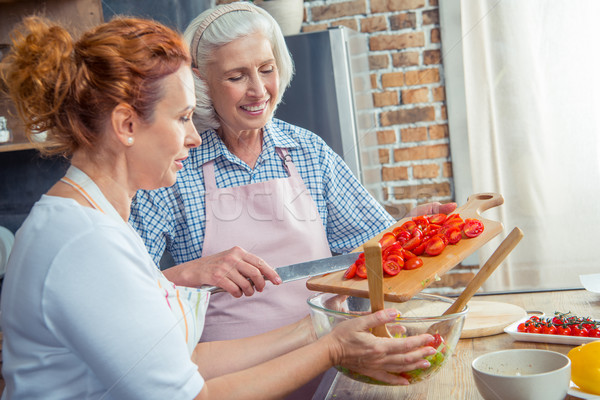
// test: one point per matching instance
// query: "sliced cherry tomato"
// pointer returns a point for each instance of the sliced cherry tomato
(420, 249)
(402, 236)
(391, 267)
(387, 239)
(412, 243)
(407, 255)
(454, 235)
(473, 227)
(395, 247)
(435, 246)
(413, 263)
(437, 340)
(361, 271)
(408, 226)
(350, 272)
(417, 232)
(432, 229)
(437, 219)
(421, 221)
(395, 257)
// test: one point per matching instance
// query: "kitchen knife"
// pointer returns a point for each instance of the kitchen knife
(305, 270)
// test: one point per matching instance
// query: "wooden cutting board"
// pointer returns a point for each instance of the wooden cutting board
(406, 284)
(486, 318)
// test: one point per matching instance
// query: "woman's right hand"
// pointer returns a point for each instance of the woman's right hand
(353, 346)
(235, 270)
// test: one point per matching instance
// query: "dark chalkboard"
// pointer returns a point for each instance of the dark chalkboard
(176, 14)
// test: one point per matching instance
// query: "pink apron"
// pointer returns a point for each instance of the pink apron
(278, 221)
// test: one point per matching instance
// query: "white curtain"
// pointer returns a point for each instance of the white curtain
(532, 90)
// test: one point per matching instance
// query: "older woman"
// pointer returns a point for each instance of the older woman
(86, 314)
(259, 187)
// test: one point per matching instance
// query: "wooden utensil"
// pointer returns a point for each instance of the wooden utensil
(374, 267)
(490, 266)
(406, 284)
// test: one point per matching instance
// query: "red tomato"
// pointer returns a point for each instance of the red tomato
(420, 249)
(387, 239)
(595, 333)
(408, 226)
(413, 263)
(407, 254)
(350, 272)
(417, 232)
(361, 271)
(395, 247)
(578, 330)
(435, 246)
(563, 330)
(402, 236)
(437, 219)
(395, 257)
(421, 221)
(412, 243)
(391, 267)
(522, 327)
(432, 229)
(549, 330)
(534, 328)
(453, 234)
(473, 227)
(437, 340)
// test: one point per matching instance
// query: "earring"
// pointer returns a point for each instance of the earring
(130, 140)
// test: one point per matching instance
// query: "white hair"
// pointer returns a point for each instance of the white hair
(226, 28)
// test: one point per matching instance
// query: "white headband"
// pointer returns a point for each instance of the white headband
(223, 9)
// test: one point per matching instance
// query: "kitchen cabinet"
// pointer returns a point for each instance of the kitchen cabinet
(75, 15)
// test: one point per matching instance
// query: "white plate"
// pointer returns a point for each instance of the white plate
(6, 241)
(539, 337)
(576, 392)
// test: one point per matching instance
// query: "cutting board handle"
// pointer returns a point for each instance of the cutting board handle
(480, 202)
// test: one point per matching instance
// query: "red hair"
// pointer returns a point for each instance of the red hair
(69, 89)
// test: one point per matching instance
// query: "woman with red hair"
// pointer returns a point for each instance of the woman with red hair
(85, 312)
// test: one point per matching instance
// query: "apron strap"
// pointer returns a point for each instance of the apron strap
(288, 164)
(208, 169)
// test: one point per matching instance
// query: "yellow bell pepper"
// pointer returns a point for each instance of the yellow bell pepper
(585, 367)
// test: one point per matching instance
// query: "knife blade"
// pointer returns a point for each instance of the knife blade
(303, 270)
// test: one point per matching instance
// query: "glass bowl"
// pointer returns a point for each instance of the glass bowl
(420, 314)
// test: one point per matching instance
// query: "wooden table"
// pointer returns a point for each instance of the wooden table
(455, 380)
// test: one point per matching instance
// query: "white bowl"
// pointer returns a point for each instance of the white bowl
(522, 374)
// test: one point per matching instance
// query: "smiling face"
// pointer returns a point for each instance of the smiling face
(243, 83)
(162, 144)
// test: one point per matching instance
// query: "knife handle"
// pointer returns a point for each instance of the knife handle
(211, 289)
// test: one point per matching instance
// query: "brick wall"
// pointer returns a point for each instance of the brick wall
(407, 80)
(408, 94)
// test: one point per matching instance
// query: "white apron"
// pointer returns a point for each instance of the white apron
(187, 304)
(278, 221)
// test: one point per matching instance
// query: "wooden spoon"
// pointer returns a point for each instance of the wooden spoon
(373, 263)
(507, 245)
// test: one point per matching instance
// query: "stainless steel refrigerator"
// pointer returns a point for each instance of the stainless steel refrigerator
(330, 95)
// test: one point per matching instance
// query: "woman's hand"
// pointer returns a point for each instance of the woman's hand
(357, 349)
(431, 208)
(235, 270)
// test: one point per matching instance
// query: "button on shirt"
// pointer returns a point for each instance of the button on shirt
(174, 218)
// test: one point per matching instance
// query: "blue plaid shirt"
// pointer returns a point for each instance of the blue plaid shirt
(174, 218)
